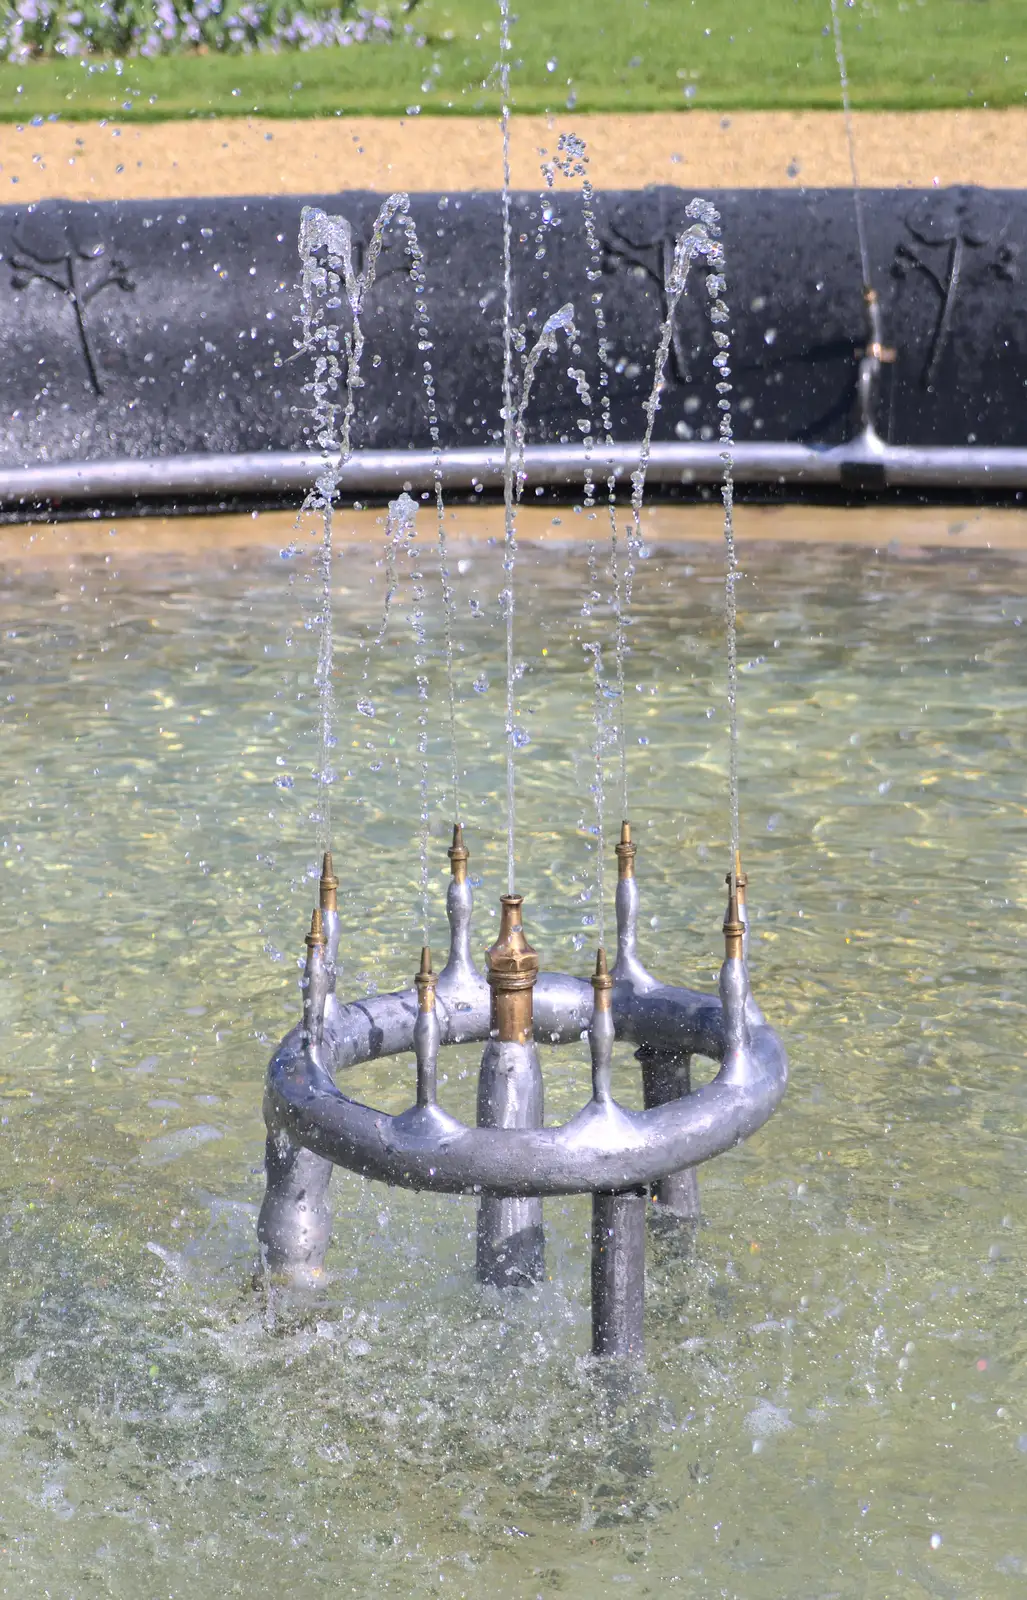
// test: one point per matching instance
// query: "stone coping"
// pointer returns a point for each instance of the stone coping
(906, 529)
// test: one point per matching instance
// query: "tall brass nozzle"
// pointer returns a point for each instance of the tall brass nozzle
(734, 931)
(512, 970)
(625, 853)
(602, 983)
(741, 879)
(425, 981)
(329, 885)
(315, 938)
(458, 854)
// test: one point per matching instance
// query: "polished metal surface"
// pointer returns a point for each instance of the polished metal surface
(510, 1242)
(603, 1147)
(510, 1159)
(378, 472)
(667, 1076)
(618, 1273)
(511, 1245)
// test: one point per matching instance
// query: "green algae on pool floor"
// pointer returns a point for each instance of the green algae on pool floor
(833, 1400)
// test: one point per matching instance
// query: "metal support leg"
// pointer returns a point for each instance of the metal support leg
(511, 1242)
(665, 1077)
(295, 1224)
(618, 1272)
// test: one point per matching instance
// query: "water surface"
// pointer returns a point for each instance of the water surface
(834, 1397)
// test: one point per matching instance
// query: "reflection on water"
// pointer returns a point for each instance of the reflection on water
(834, 1401)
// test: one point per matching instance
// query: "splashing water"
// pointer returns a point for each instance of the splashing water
(403, 513)
(716, 284)
(561, 321)
(326, 249)
(594, 275)
(514, 477)
(593, 648)
(510, 539)
(424, 345)
(701, 239)
(396, 531)
(850, 137)
(513, 438)
(572, 159)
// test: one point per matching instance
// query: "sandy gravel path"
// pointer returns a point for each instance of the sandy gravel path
(704, 149)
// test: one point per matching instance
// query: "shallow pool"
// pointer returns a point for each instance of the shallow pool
(835, 1396)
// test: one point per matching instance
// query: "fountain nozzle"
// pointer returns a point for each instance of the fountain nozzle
(602, 983)
(458, 854)
(316, 981)
(877, 350)
(425, 982)
(625, 853)
(329, 885)
(741, 881)
(512, 970)
(734, 930)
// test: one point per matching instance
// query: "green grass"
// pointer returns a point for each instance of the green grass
(618, 55)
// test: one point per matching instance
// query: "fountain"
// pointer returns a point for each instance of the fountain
(510, 1160)
(829, 1399)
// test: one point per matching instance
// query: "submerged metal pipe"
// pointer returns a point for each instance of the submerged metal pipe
(618, 1220)
(666, 1076)
(866, 462)
(618, 1273)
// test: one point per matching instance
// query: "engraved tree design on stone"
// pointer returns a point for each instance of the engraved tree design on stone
(52, 247)
(953, 221)
(651, 259)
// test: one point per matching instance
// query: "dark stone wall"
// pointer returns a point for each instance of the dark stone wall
(152, 328)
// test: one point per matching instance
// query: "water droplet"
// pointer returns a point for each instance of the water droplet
(366, 708)
(481, 683)
(520, 738)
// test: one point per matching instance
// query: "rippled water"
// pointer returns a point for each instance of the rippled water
(835, 1397)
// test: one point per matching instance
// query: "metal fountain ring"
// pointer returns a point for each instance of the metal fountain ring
(510, 1159)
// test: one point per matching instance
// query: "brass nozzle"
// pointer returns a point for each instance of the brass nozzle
(734, 931)
(741, 878)
(315, 938)
(329, 885)
(458, 854)
(625, 853)
(602, 983)
(425, 981)
(870, 296)
(512, 970)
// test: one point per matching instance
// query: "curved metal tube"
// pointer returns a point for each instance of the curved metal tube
(602, 1147)
(511, 1161)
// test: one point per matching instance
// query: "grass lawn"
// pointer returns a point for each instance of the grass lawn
(606, 55)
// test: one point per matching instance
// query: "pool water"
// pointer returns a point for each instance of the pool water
(834, 1400)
